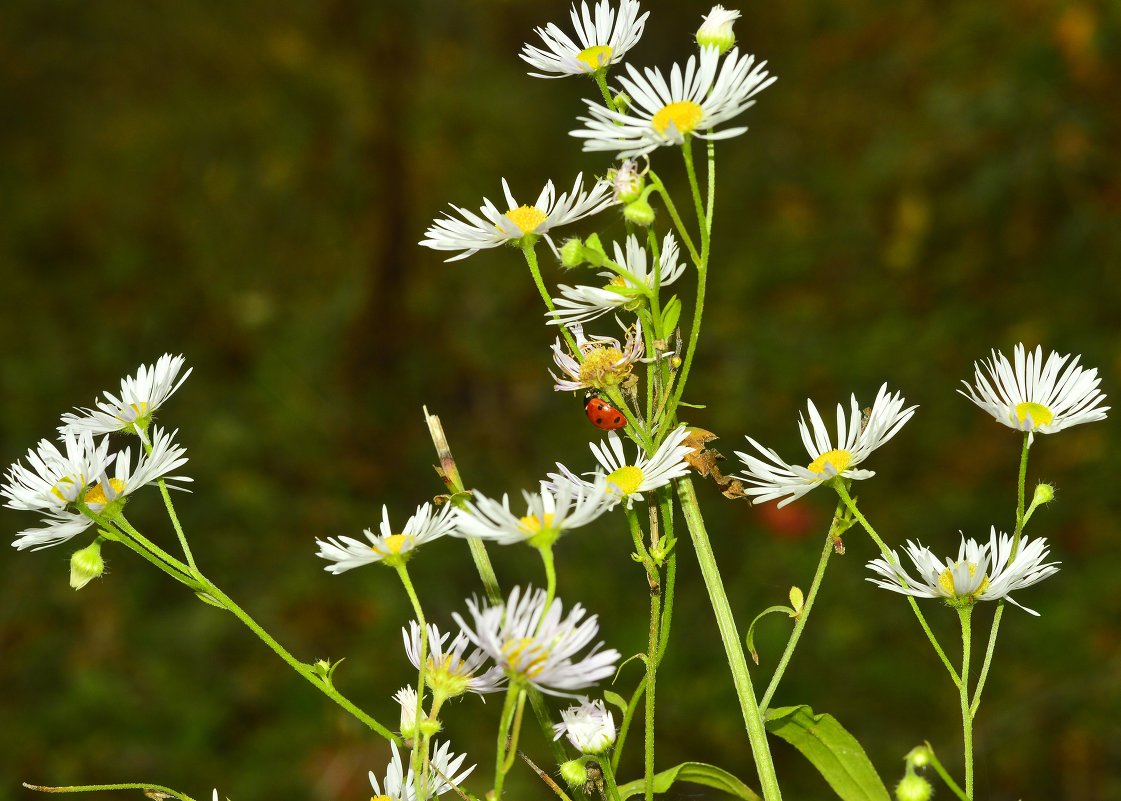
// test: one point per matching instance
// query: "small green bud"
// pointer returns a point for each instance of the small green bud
(622, 101)
(1044, 493)
(918, 757)
(572, 253)
(86, 565)
(627, 180)
(640, 212)
(716, 29)
(429, 727)
(913, 788)
(573, 773)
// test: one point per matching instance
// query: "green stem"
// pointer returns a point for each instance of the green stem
(966, 715)
(609, 779)
(531, 259)
(955, 788)
(800, 624)
(177, 526)
(839, 486)
(988, 658)
(600, 77)
(682, 231)
(550, 579)
(420, 740)
(505, 721)
(733, 647)
(651, 682)
(93, 788)
(1020, 497)
(122, 523)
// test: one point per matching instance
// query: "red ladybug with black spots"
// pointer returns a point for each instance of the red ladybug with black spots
(602, 414)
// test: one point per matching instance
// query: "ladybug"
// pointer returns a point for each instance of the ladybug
(602, 414)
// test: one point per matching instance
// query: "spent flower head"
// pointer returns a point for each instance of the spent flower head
(589, 727)
(532, 644)
(394, 549)
(519, 223)
(602, 363)
(549, 514)
(451, 671)
(629, 289)
(132, 410)
(1033, 395)
(693, 102)
(856, 439)
(602, 40)
(981, 572)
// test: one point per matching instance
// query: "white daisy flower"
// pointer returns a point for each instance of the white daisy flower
(716, 29)
(141, 395)
(626, 481)
(589, 726)
(1032, 396)
(450, 673)
(603, 362)
(603, 40)
(691, 103)
(165, 456)
(401, 786)
(967, 579)
(855, 442)
(549, 513)
(532, 644)
(628, 290)
(348, 553)
(494, 228)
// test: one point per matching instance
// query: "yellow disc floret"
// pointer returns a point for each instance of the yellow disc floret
(96, 494)
(393, 544)
(1040, 414)
(837, 459)
(525, 648)
(527, 218)
(946, 581)
(626, 479)
(683, 115)
(595, 57)
(603, 367)
(534, 524)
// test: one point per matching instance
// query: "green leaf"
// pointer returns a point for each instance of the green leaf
(671, 314)
(833, 751)
(749, 640)
(616, 700)
(697, 773)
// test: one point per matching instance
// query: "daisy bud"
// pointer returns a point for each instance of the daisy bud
(1044, 493)
(918, 757)
(572, 253)
(716, 29)
(640, 212)
(622, 101)
(913, 788)
(86, 565)
(574, 773)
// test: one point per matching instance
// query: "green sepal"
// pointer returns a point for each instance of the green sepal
(695, 773)
(749, 640)
(671, 315)
(835, 753)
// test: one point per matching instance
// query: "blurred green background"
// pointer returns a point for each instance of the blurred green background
(245, 183)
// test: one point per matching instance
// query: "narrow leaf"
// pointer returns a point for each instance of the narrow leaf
(615, 700)
(696, 773)
(833, 751)
(671, 314)
(750, 638)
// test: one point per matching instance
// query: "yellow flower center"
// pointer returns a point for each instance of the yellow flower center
(595, 57)
(515, 650)
(527, 218)
(533, 524)
(627, 479)
(946, 581)
(380, 798)
(1040, 414)
(394, 544)
(838, 459)
(96, 494)
(139, 408)
(600, 369)
(57, 491)
(683, 115)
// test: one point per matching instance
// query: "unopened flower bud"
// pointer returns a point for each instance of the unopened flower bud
(622, 101)
(1044, 493)
(573, 773)
(918, 757)
(86, 565)
(716, 29)
(640, 212)
(913, 788)
(572, 253)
